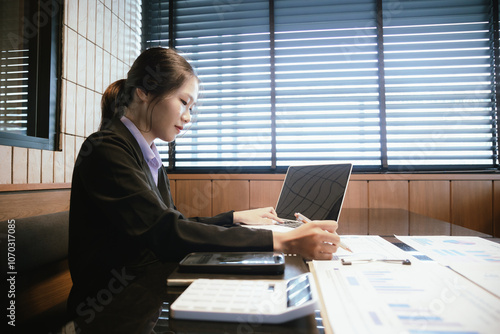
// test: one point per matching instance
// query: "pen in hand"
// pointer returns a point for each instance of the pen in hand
(304, 219)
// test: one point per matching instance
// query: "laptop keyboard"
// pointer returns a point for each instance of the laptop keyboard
(291, 223)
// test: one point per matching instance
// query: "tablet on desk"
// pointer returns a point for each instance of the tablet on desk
(294, 266)
(234, 263)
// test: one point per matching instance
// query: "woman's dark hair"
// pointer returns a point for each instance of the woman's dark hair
(157, 71)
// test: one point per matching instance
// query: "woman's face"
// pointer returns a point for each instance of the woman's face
(173, 112)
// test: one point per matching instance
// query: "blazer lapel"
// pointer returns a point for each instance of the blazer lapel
(164, 187)
(118, 127)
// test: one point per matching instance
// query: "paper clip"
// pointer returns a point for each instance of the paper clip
(405, 262)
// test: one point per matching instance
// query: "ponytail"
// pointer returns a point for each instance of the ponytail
(109, 102)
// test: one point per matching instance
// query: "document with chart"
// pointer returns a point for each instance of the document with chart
(369, 248)
(382, 297)
(475, 258)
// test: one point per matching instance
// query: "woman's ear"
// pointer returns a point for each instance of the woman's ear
(142, 95)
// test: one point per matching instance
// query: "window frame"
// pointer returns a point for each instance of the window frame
(384, 166)
(44, 82)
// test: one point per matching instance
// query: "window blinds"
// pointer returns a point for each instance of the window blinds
(439, 90)
(229, 46)
(155, 23)
(294, 82)
(14, 62)
(326, 82)
(14, 91)
(29, 79)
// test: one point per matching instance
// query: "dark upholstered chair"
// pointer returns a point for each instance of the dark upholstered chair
(42, 280)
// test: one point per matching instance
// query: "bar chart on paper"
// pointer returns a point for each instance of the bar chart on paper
(448, 250)
(475, 258)
(392, 298)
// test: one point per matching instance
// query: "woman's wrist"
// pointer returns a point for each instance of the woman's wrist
(236, 217)
(279, 242)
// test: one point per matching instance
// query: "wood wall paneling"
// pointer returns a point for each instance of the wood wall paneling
(193, 198)
(59, 167)
(472, 206)
(431, 199)
(356, 195)
(173, 185)
(5, 164)
(20, 165)
(230, 195)
(225, 176)
(496, 209)
(34, 165)
(47, 167)
(388, 194)
(264, 193)
(354, 221)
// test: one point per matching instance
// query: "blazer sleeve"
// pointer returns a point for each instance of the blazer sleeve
(111, 173)
(223, 219)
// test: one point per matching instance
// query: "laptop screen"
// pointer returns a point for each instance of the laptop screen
(315, 191)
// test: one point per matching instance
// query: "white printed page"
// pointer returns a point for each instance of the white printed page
(424, 297)
(369, 248)
(476, 258)
(449, 250)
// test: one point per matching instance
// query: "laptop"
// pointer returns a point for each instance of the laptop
(316, 191)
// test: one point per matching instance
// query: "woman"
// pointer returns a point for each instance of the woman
(123, 223)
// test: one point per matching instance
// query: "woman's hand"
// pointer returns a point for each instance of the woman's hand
(316, 240)
(262, 216)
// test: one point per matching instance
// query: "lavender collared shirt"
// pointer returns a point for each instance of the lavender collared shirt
(150, 153)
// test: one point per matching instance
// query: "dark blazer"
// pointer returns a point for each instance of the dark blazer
(120, 220)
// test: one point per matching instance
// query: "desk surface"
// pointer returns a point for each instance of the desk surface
(386, 222)
(143, 306)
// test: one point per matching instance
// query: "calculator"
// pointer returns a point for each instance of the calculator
(247, 301)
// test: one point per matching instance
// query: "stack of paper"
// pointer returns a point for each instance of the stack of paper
(476, 258)
(389, 297)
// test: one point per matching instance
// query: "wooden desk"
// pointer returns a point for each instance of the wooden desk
(388, 222)
(147, 308)
(384, 222)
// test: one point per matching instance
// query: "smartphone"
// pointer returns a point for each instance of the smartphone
(234, 263)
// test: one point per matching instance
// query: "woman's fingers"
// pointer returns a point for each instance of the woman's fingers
(327, 240)
(331, 238)
(256, 216)
(316, 240)
(327, 247)
(271, 214)
(322, 251)
(327, 225)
